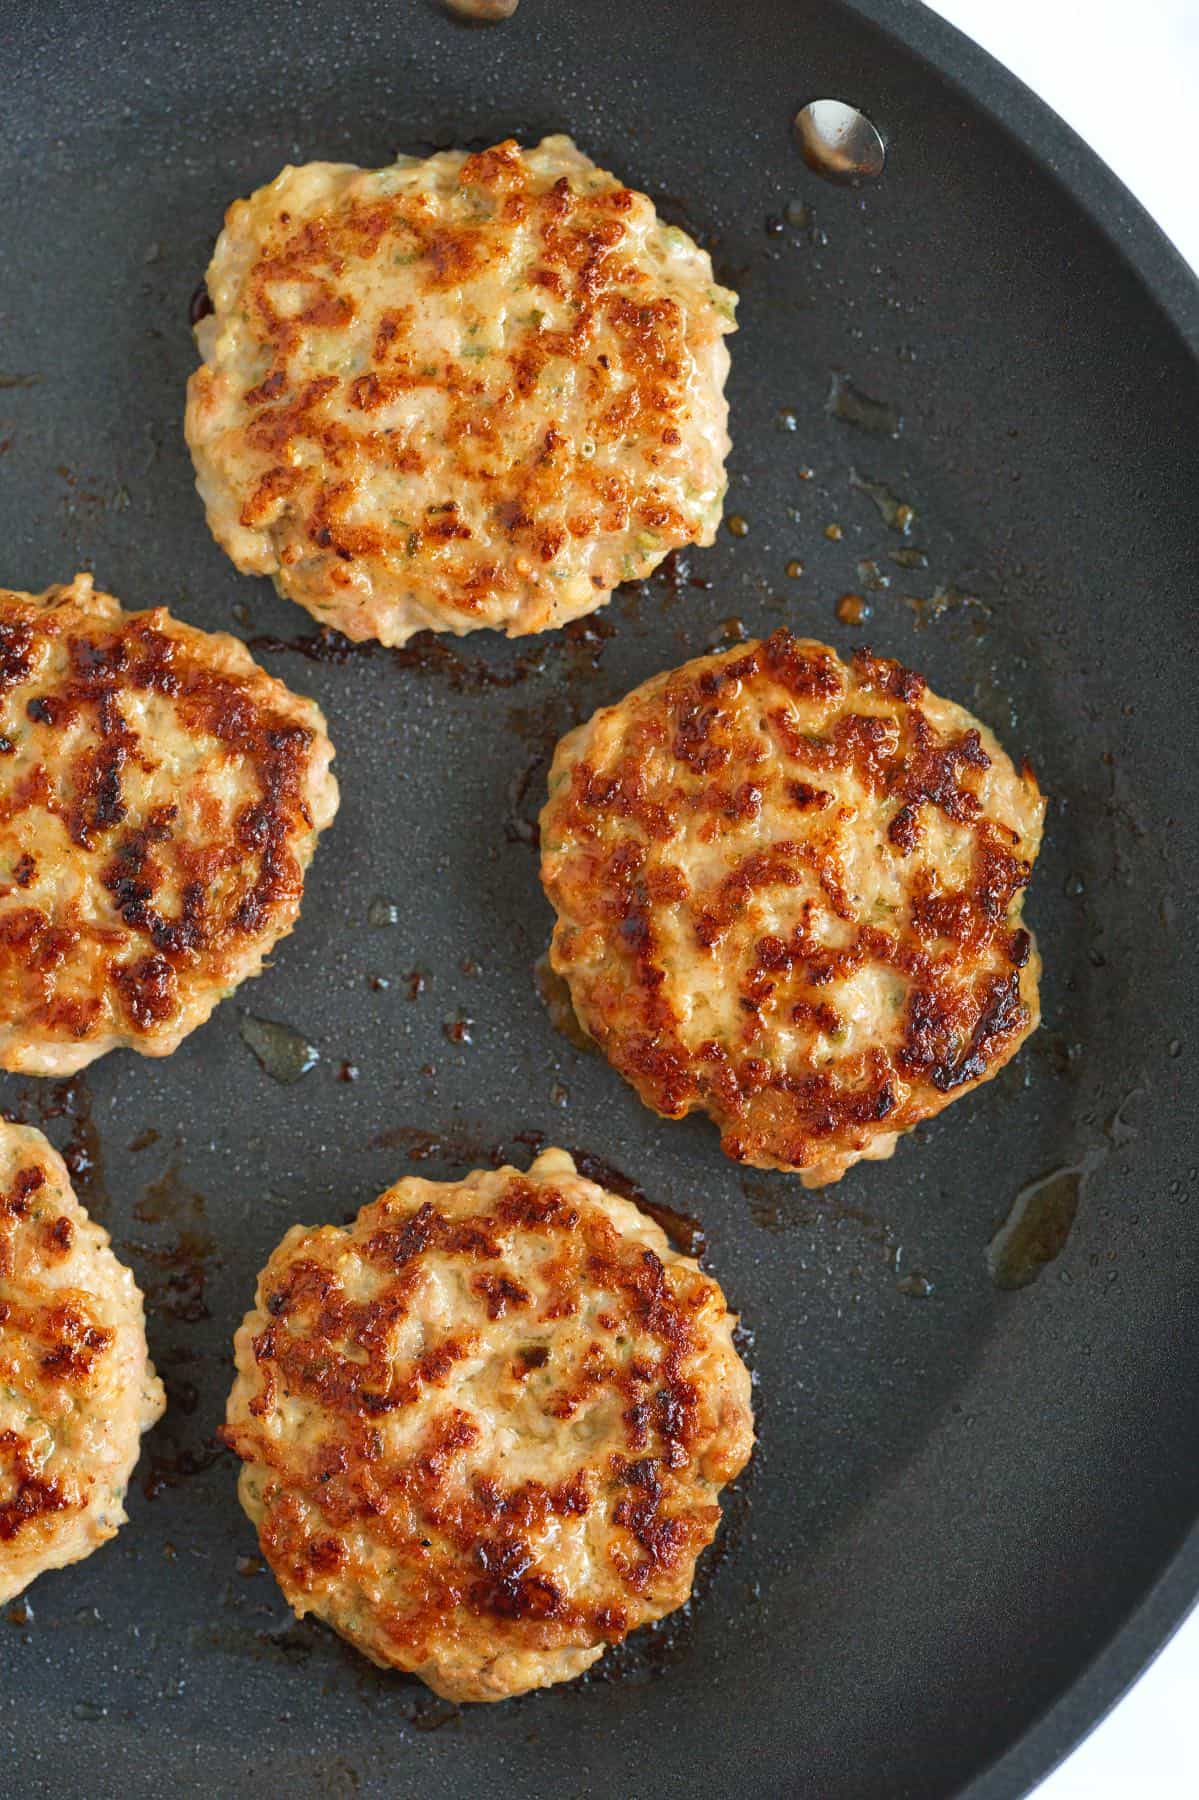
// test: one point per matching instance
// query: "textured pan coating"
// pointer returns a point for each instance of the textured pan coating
(465, 391)
(77, 1388)
(789, 894)
(160, 800)
(485, 1427)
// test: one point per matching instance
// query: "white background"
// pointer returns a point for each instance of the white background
(1125, 75)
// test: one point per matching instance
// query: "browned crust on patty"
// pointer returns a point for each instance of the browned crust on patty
(773, 832)
(574, 1327)
(160, 797)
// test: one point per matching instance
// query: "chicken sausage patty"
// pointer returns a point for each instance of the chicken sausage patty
(485, 1427)
(789, 894)
(464, 391)
(77, 1388)
(160, 800)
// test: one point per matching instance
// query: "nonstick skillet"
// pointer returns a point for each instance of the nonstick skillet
(972, 1515)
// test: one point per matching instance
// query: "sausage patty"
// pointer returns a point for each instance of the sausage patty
(463, 391)
(160, 800)
(789, 894)
(485, 1427)
(77, 1388)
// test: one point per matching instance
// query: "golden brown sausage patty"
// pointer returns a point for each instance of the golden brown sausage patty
(464, 391)
(77, 1388)
(485, 1427)
(160, 800)
(789, 894)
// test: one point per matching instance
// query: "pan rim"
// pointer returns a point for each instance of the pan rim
(1110, 207)
(1120, 218)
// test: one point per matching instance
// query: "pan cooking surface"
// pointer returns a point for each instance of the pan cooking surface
(961, 1491)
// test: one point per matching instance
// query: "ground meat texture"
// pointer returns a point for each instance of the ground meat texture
(789, 894)
(160, 800)
(485, 1427)
(77, 1388)
(473, 390)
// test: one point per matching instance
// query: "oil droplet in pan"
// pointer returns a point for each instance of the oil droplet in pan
(459, 1029)
(1035, 1231)
(282, 1052)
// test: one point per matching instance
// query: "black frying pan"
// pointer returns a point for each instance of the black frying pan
(971, 1518)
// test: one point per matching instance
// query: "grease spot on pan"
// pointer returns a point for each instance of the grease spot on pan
(82, 1152)
(1037, 1228)
(853, 407)
(684, 1232)
(894, 512)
